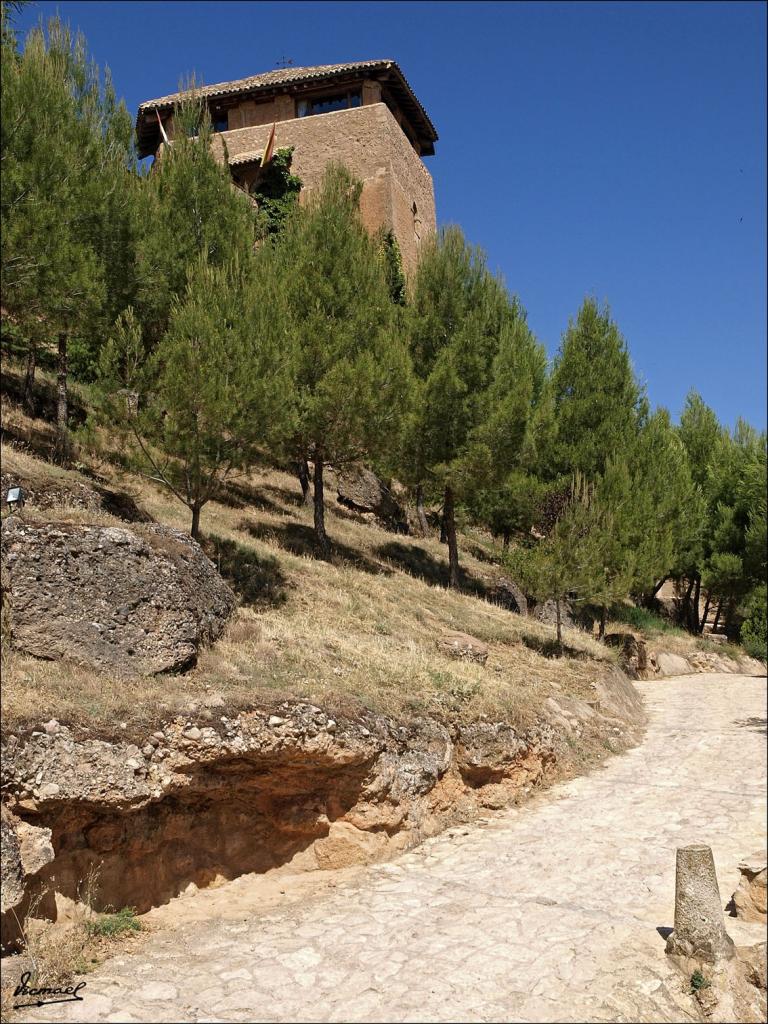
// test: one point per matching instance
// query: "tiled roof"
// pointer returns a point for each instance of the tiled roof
(247, 158)
(284, 76)
(292, 76)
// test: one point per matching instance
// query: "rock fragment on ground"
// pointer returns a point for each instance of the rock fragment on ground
(749, 899)
(463, 646)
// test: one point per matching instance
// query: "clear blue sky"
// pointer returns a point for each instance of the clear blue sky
(616, 149)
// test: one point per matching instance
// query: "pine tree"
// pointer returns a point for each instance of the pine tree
(665, 523)
(598, 403)
(65, 142)
(188, 208)
(505, 494)
(702, 438)
(568, 563)
(612, 519)
(477, 365)
(730, 472)
(754, 629)
(700, 433)
(212, 391)
(53, 142)
(735, 558)
(352, 369)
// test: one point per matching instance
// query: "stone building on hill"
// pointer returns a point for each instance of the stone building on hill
(362, 114)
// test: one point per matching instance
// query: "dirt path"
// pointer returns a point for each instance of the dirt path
(546, 913)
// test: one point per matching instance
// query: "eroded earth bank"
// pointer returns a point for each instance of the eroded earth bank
(556, 910)
(211, 797)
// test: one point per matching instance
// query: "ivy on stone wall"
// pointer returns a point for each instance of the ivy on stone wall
(276, 191)
(393, 267)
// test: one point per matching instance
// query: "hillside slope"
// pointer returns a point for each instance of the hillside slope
(360, 630)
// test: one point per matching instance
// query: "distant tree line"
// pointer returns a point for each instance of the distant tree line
(212, 325)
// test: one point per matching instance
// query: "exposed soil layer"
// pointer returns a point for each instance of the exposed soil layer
(206, 801)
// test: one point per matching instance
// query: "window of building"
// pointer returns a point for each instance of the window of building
(416, 222)
(220, 120)
(325, 104)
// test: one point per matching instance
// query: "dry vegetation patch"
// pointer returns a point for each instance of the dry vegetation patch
(358, 631)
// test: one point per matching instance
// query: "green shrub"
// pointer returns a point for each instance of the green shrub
(754, 630)
(644, 620)
(699, 982)
(111, 925)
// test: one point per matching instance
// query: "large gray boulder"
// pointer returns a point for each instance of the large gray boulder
(670, 664)
(633, 653)
(360, 489)
(132, 601)
(546, 612)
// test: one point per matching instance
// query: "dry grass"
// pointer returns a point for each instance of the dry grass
(359, 631)
(52, 954)
(661, 633)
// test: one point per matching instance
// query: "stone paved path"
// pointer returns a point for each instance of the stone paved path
(546, 913)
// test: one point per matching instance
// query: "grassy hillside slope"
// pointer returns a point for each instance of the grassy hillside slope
(361, 629)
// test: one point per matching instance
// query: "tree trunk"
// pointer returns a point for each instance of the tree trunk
(29, 379)
(603, 617)
(703, 622)
(303, 471)
(695, 605)
(505, 541)
(559, 621)
(686, 616)
(659, 585)
(443, 530)
(420, 513)
(717, 615)
(730, 608)
(321, 537)
(449, 521)
(195, 531)
(62, 402)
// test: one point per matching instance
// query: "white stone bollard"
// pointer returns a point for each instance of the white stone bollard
(699, 922)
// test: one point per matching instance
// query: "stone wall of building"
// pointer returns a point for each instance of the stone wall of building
(250, 113)
(397, 187)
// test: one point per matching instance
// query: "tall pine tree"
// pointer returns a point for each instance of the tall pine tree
(352, 371)
(478, 368)
(214, 389)
(599, 404)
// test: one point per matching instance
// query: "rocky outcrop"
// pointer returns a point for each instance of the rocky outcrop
(664, 663)
(508, 594)
(749, 899)
(360, 489)
(633, 653)
(11, 869)
(707, 661)
(140, 600)
(24, 851)
(732, 989)
(207, 798)
(546, 612)
(463, 646)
